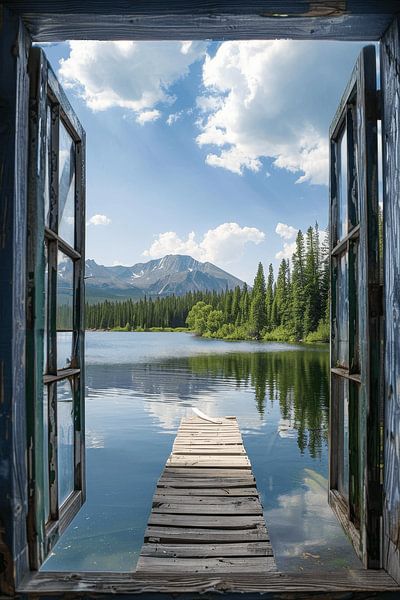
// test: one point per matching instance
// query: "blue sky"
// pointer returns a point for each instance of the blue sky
(203, 148)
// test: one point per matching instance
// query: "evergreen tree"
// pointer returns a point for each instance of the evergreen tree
(281, 298)
(257, 306)
(298, 288)
(293, 307)
(269, 297)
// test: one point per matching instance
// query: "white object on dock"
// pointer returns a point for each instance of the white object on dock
(206, 417)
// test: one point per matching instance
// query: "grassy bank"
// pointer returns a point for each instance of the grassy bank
(228, 332)
(152, 329)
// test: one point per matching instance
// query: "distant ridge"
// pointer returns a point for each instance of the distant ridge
(173, 274)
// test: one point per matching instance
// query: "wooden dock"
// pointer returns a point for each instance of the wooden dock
(207, 515)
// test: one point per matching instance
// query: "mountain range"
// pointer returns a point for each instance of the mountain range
(173, 274)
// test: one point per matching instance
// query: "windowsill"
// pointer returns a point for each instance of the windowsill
(295, 584)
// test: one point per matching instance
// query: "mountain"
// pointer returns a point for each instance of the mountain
(173, 274)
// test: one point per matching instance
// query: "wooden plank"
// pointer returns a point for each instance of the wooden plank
(141, 20)
(197, 460)
(254, 564)
(213, 429)
(215, 482)
(354, 584)
(193, 535)
(190, 472)
(211, 451)
(206, 500)
(190, 529)
(390, 84)
(197, 508)
(207, 550)
(207, 521)
(211, 492)
(14, 102)
(210, 440)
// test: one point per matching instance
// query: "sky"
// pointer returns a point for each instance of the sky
(218, 150)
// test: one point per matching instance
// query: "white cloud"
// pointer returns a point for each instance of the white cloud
(287, 232)
(208, 103)
(131, 75)
(307, 526)
(120, 263)
(273, 99)
(99, 220)
(222, 245)
(287, 251)
(146, 116)
(173, 118)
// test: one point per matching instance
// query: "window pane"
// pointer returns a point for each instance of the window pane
(64, 349)
(47, 169)
(342, 395)
(342, 313)
(354, 341)
(46, 494)
(342, 186)
(66, 194)
(65, 291)
(65, 433)
(46, 306)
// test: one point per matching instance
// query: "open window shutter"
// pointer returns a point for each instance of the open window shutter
(55, 311)
(355, 409)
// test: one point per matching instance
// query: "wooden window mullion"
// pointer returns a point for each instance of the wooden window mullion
(54, 166)
(53, 451)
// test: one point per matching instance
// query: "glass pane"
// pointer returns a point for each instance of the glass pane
(342, 186)
(354, 341)
(64, 349)
(65, 291)
(342, 313)
(47, 169)
(65, 433)
(46, 494)
(342, 395)
(66, 194)
(46, 307)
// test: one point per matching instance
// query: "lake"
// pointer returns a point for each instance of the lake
(139, 386)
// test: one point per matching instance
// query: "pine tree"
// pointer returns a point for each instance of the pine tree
(269, 298)
(280, 306)
(311, 275)
(298, 288)
(257, 306)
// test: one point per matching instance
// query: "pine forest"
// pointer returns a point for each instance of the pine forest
(292, 305)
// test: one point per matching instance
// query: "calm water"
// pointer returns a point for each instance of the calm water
(139, 385)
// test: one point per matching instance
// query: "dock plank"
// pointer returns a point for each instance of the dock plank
(253, 564)
(233, 492)
(193, 535)
(207, 550)
(207, 500)
(206, 513)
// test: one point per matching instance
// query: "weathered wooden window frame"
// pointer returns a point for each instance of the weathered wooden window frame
(356, 118)
(49, 108)
(72, 20)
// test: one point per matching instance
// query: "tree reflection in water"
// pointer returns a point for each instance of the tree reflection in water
(298, 380)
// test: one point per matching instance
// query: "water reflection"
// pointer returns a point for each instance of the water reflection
(137, 392)
(297, 380)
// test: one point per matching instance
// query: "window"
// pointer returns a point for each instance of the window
(55, 317)
(355, 419)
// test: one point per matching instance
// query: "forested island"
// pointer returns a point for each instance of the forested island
(292, 307)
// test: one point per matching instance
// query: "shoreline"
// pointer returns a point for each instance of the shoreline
(186, 330)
